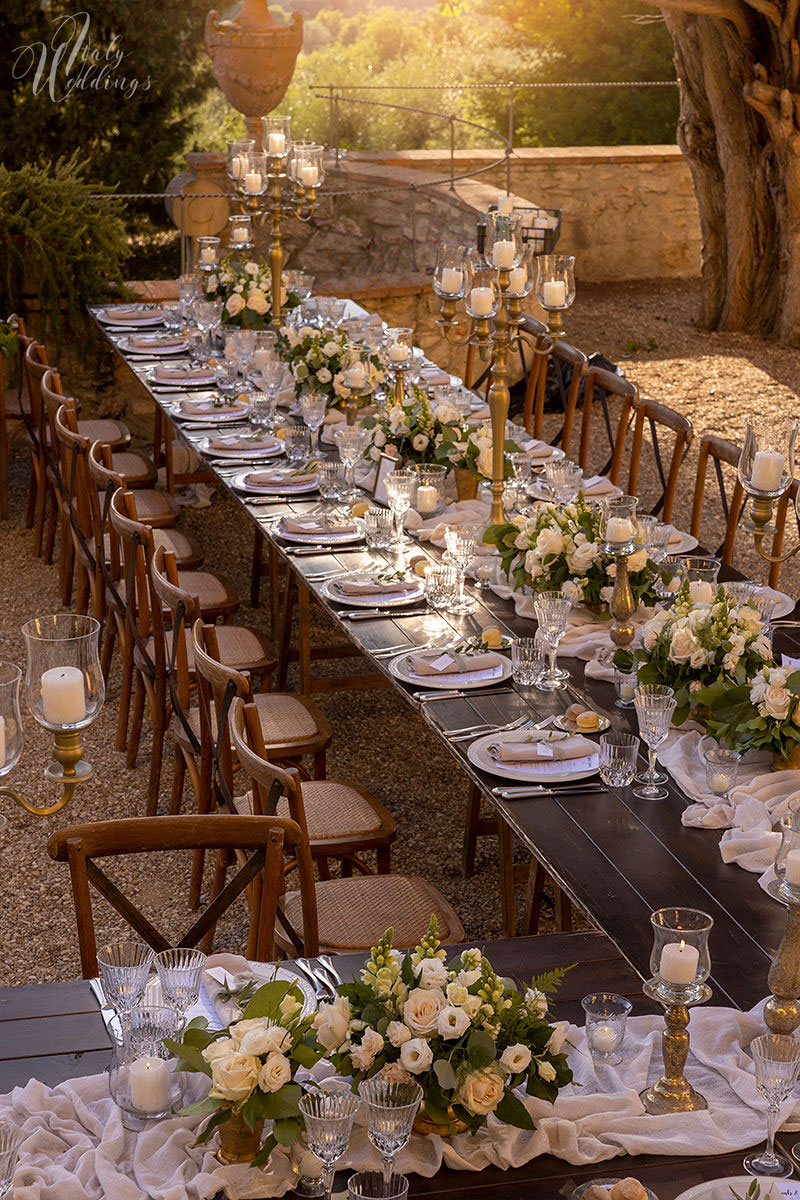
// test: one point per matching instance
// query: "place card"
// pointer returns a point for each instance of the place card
(787, 1188)
(443, 661)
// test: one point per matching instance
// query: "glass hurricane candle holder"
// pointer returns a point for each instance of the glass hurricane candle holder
(766, 467)
(483, 298)
(787, 859)
(236, 159)
(722, 767)
(257, 174)
(306, 166)
(431, 491)
(521, 277)
(504, 246)
(606, 1015)
(555, 286)
(240, 232)
(452, 273)
(680, 960)
(10, 719)
(276, 136)
(618, 526)
(143, 1079)
(207, 254)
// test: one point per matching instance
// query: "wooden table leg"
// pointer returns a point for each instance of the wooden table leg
(304, 612)
(255, 569)
(285, 643)
(505, 856)
(158, 426)
(168, 458)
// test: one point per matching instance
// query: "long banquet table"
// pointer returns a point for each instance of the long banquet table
(54, 1032)
(617, 857)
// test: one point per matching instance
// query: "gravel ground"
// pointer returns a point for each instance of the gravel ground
(715, 379)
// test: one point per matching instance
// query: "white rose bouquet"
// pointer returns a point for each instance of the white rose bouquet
(560, 549)
(469, 1038)
(470, 449)
(318, 357)
(706, 638)
(245, 289)
(762, 713)
(411, 431)
(252, 1064)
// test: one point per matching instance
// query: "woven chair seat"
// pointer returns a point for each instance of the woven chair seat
(354, 913)
(154, 508)
(215, 593)
(335, 810)
(137, 470)
(14, 406)
(285, 720)
(239, 647)
(104, 429)
(188, 553)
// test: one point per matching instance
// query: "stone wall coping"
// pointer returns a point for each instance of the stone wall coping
(575, 155)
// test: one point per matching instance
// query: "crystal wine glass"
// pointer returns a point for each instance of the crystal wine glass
(777, 1061)
(351, 441)
(179, 972)
(655, 704)
(564, 478)
(313, 406)
(207, 315)
(391, 1108)
(552, 613)
(124, 967)
(401, 487)
(328, 1118)
(460, 541)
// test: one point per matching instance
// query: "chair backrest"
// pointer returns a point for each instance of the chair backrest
(263, 837)
(217, 685)
(270, 782)
(556, 371)
(614, 398)
(23, 341)
(171, 654)
(35, 363)
(53, 397)
(138, 547)
(80, 492)
(655, 419)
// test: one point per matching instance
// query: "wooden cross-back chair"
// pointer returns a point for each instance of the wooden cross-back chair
(36, 364)
(84, 521)
(608, 402)
(259, 842)
(556, 369)
(15, 413)
(657, 419)
(352, 911)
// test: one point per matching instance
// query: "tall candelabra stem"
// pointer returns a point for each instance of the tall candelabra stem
(673, 1093)
(782, 1010)
(499, 399)
(623, 605)
(276, 246)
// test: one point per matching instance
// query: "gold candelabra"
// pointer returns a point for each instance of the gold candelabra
(67, 769)
(673, 1093)
(766, 471)
(275, 209)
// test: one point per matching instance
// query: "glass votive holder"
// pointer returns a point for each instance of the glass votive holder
(722, 767)
(680, 960)
(441, 586)
(11, 1139)
(307, 1169)
(240, 231)
(207, 253)
(430, 498)
(379, 528)
(669, 577)
(373, 1185)
(483, 569)
(10, 719)
(787, 860)
(618, 525)
(697, 568)
(330, 476)
(527, 660)
(297, 443)
(619, 753)
(625, 683)
(144, 1081)
(606, 1015)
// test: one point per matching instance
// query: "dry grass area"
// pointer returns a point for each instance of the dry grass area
(716, 380)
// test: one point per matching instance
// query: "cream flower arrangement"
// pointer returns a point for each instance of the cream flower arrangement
(252, 1064)
(470, 449)
(411, 431)
(762, 713)
(469, 1038)
(245, 288)
(318, 358)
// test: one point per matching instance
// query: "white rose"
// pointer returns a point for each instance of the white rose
(331, 349)
(547, 1071)
(777, 701)
(452, 1022)
(549, 541)
(521, 541)
(258, 1036)
(363, 1055)
(251, 268)
(324, 375)
(221, 1048)
(257, 301)
(234, 304)
(556, 1038)
(481, 1091)
(637, 561)
(571, 591)
(484, 462)
(379, 438)
(212, 283)
(398, 1033)
(332, 1022)
(234, 1076)
(583, 556)
(515, 1058)
(681, 645)
(421, 1010)
(431, 973)
(275, 1072)
(420, 442)
(416, 1056)
(698, 658)
(445, 412)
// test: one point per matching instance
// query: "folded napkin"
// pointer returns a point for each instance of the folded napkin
(463, 512)
(280, 479)
(544, 746)
(286, 398)
(434, 377)
(334, 417)
(597, 485)
(224, 975)
(240, 442)
(185, 374)
(207, 408)
(480, 413)
(600, 665)
(369, 585)
(538, 450)
(311, 525)
(675, 536)
(123, 315)
(448, 662)
(156, 341)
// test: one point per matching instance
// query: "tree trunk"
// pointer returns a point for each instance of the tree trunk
(738, 63)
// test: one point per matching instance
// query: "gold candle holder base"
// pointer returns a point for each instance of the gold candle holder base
(623, 605)
(673, 1093)
(67, 769)
(555, 322)
(782, 1010)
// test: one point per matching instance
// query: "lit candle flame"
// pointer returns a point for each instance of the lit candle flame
(683, 944)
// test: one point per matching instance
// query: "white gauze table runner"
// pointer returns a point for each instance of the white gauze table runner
(75, 1148)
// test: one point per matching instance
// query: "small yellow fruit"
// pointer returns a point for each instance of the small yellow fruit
(358, 508)
(492, 637)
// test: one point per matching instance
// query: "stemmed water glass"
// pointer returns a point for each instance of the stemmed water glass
(328, 1118)
(179, 972)
(552, 613)
(777, 1061)
(188, 290)
(313, 406)
(274, 378)
(564, 478)
(262, 413)
(401, 487)
(351, 441)
(207, 315)
(124, 967)
(460, 541)
(391, 1108)
(655, 704)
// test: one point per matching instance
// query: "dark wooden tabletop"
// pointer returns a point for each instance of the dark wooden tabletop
(53, 1032)
(616, 856)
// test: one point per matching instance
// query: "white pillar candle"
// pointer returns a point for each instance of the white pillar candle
(554, 293)
(252, 182)
(277, 145)
(309, 175)
(619, 530)
(427, 499)
(262, 357)
(627, 688)
(2, 742)
(603, 1038)
(517, 278)
(701, 591)
(678, 963)
(238, 166)
(148, 1080)
(399, 352)
(63, 698)
(767, 470)
(452, 280)
(793, 868)
(208, 254)
(239, 234)
(718, 782)
(503, 253)
(481, 301)
(355, 376)
(505, 206)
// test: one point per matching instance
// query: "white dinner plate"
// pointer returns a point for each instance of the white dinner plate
(151, 351)
(125, 319)
(783, 604)
(320, 538)
(266, 972)
(235, 453)
(609, 1183)
(478, 755)
(394, 600)
(184, 385)
(285, 488)
(720, 1189)
(400, 668)
(686, 545)
(222, 416)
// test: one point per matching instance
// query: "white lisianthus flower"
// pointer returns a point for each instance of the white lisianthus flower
(468, 977)
(234, 1076)
(324, 375)
(571, 591)
(515, 1058)
(557, 1037)
(416, 1056)
(332, 1023)
(330, 349)
(379, 438)
(398, 1033)
(547, 1071)
(276, 1071)
(212, 283)
(421, 1010)
(445, 412)
(521, 541)
(420, 442)
(536, 1003)
(456, 993)
(453, 1022)
(431, 973)
(363, 1055)
(234, 304)
(471, 1006)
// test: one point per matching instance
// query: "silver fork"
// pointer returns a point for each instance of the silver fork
(456, 735)
(326, 963)
(320, 985)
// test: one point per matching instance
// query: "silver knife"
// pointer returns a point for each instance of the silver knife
(374, 614)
